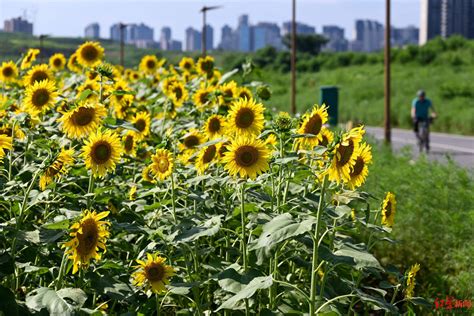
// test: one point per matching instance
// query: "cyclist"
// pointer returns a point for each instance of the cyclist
(420, 113)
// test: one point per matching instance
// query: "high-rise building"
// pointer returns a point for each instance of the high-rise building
(405, 36)
(176, 46)
(92, 31)
(369, 36)
(18, 25)
(227, 38)
(193, 40)
(244, 34)
(337, 41)
(446, 18)
(209, 37)
(115, 32)
(301, 28)
(165, 38)
(266, 34)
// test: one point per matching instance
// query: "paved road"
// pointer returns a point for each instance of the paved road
(458, 147)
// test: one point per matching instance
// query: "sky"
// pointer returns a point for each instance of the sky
(69, 17)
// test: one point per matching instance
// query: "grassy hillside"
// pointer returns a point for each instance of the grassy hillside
(443, 68)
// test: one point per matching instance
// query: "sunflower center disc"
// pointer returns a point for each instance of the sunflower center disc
(155, 273)
(388, 209)
(204, 97)
(7, 71)
(314, 125)
(90, 53)
(209, 154)
(358, 167)
(215, 125)
(345, 153)
(163, 165)
(40, 97)
(83, 117)
(140, 125)
(128, 143)
(191, 141)
(178, 92)
(88, 238)
(247, 156)
(150, 64)
(39, 76)
(57, 62)
(101, 153)
(244, 118)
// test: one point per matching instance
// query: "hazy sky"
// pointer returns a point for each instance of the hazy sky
(69, 17)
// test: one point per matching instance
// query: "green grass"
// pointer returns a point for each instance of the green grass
(361, 93)
(433, 223)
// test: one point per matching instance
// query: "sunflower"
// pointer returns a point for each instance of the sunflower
(360, 169)
(186, 64)
(203, 97)
(17, 133)
(229, 90)
(38, 73)
(152, 274)
(178, 93)
(205, 157)
(8, 72)
(344, 155)
(129, 144)
(150, 64)
(141, 122)
(244, 93)
(90, 234)
(245, 118)
(205, 65)
(40, 96)
(148, 175)
(101, 152)
(57, 62)
(271, 141)
(132, 194)
(29, 58)
(326, 137)
(191, 140)
(214, 126)
(5, 143)
(312, 124)
(59, 167)
(389, 207)
(162, 164)
(133, 76)
(90, 54)
(411, 282)
(246, 157)
(82, 120)
(73, 64)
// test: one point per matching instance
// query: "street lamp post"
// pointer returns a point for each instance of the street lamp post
(41, 38)
(387, 73)
(122, 27)
(203, 35)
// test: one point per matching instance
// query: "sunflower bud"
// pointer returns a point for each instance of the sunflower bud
(283, 122)
(264, 92)
(105, 70)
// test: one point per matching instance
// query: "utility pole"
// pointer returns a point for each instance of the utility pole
(122, 27)
(387, 72)
(293, 60)
(203, 35)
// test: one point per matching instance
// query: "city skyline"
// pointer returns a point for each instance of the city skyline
(315, 13)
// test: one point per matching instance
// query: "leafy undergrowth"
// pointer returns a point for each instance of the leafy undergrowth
(434, 222)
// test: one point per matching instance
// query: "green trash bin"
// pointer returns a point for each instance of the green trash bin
(329, 96)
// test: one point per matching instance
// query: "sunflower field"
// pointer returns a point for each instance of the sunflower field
(170, 189)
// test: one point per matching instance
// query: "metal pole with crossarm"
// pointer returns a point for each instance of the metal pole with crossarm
(122, 27)
(387, 73)
(203, 35)
(293, 59)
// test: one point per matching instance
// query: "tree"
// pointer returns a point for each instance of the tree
(306, 43)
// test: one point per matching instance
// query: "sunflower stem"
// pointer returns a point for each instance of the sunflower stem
(242, 222)
(173, 202)
(59, 280)
(314, 263)
(158, 313)
(90, 189)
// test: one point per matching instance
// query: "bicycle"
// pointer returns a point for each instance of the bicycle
(423, 134)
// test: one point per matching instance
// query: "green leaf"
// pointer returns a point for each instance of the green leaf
(64, 224)
(84, 94)
(8, 305)
(361, 259)
(228, 74)
(209, 228)
(62, 302)
(7, 265)
(181, 288)
(281, 228)
(258, 283)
